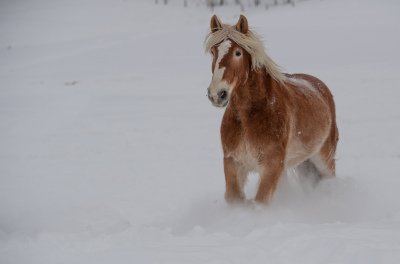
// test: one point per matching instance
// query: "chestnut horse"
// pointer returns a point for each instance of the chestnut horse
(273, 121)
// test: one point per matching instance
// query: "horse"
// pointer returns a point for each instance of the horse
(273, 121)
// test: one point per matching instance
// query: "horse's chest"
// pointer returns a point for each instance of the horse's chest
(246, 155)
(238, 145)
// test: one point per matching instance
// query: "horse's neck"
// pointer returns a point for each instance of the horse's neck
(253, 93)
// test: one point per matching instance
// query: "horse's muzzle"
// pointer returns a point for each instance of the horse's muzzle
(220, 99)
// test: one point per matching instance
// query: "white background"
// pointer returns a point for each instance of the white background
(110, 149)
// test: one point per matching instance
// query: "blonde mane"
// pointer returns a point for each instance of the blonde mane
(251, 43)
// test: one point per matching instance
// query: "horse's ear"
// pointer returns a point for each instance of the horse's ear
(215, 24)
(242, 24)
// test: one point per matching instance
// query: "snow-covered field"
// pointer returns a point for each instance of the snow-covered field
(110, 151)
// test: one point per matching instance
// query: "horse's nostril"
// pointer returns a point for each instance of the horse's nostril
(222, 94)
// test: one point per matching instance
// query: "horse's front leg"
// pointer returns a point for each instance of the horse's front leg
(269, 177)
(235, 177)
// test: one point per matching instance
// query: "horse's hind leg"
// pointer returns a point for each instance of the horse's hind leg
(308, 173)
(324, 164)
(324, 161)
(313, 170)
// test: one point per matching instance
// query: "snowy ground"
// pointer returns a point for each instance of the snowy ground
(110, 152)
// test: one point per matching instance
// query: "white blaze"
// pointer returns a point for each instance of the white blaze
(217, 83)
(223, 49)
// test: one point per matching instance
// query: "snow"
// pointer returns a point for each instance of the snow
(110, 149)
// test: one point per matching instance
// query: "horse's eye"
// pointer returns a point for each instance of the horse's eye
(238, 53)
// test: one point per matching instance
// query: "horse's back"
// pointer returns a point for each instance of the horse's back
(308, 90)
(319, 87)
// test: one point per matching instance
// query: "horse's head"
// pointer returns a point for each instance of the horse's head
(231, 63)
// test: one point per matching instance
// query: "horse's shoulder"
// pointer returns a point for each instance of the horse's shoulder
(231, 127)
